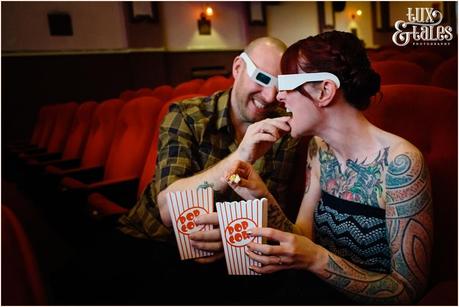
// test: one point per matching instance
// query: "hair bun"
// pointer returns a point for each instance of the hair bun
(364, 83)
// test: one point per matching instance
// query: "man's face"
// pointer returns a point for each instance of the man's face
(254, 102)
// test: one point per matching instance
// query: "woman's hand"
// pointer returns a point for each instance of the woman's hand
(250, 185)
(293, 252)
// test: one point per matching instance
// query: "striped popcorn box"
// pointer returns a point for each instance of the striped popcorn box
(184, 207)
(235, 218)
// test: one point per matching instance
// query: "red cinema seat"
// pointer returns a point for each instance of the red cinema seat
(400, 72)
(36, 132)
(384, 54)
(427, 60)
(127, 95)
(187, 87)
(45, 119)
(445, 75)
(427, 117)
(46, 129)
(104, 204)
(40, 124)
(129, 149)
(100, 136)
(215, 83)
(21, 280)
(163, 92)
(142, 92)
(60, 129)
(79, 130)
(76, 138)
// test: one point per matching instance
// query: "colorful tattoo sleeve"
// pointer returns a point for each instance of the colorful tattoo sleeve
(410, 237)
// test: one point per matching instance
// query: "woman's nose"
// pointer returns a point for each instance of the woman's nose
(281, 96)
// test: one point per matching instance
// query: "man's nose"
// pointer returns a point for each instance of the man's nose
(269, 94)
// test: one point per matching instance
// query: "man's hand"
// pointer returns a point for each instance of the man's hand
(208, 240)
(249, 185)
(261, 136)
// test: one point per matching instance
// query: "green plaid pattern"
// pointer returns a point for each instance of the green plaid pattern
(195, 135)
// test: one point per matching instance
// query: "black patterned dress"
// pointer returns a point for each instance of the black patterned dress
(354, 231)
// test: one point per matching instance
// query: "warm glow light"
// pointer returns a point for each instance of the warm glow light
(359, 12)
(209, 11)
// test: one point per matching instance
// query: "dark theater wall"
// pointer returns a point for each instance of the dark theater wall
(31, 81)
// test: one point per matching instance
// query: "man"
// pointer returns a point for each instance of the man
(200, 137)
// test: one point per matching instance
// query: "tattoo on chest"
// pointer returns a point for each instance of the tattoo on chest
(360, 182)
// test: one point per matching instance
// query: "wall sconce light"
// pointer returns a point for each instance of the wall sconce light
(357, 13)
(204, 24)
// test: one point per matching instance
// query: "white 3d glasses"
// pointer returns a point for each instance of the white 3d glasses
(292, 81)
(257, 75)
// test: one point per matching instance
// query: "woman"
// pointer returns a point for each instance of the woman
(365, 222)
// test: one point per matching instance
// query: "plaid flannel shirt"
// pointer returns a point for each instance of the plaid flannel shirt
(195, 135)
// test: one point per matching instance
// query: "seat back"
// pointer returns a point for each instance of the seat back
(187, 87)
(48, 125)
(427, 117)
(61, 127)
(150, 162)
(41, 118)
(79, 130)
(144, 91)
(101, 133)
(127, 95)
(399, 72)
(445, 75)
(215, 83)
(385, 54)
(163, 92)
(21, 281)
(426, 59)
(133, 136)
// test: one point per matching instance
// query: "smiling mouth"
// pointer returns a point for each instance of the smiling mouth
(259, 105)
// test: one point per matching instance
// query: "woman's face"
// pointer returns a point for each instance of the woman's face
(305, 114)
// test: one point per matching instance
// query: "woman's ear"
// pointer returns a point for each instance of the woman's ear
(326, 93)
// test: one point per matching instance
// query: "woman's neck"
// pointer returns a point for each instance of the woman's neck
(349, 134)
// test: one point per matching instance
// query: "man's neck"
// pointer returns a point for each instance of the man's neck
(239, 126)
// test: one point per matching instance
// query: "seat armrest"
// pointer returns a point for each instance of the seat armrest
(87, 175)
(47, 156)
(65, 164)
(21, 147)
(122, 190)
(33, 151)
(101, 206)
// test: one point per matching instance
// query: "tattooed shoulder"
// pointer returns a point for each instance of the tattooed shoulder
(407, 178)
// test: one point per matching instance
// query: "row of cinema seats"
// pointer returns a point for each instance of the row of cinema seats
(415, 67)
(118, 160)
(166, 92)
(102, 151)
(105, 151)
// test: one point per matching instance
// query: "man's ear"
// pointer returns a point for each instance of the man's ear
(326, 93)
(237, 66)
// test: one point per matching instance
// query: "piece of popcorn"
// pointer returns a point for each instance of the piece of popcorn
(234, 178)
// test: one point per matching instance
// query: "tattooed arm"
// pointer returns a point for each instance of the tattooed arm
(410, 227)
(409, 224)
(252, 186)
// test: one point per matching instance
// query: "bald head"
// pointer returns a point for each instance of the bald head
(265, 42)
